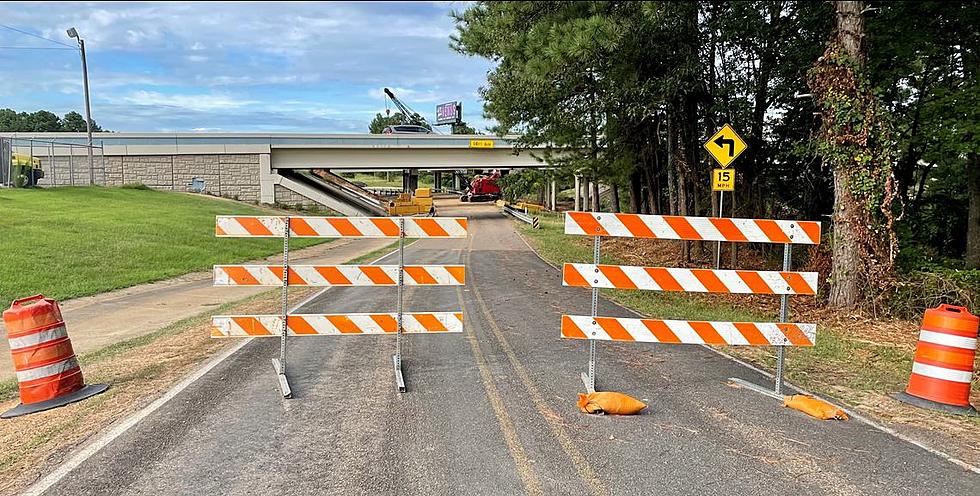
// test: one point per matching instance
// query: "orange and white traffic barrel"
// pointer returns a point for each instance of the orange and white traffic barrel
(943, 366)
(48, 373)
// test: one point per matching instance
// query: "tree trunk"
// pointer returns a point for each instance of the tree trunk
(847, 272)
(636, 191)
(973, 217)
(596, 204)
(614, 195)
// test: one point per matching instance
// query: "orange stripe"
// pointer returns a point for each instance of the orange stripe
(344, 227)
(614, 329)
(797, 283)
(251, 326)
(570, 330)
(707, 332)
(458, 273)
(386, 322)
(944, 356)
(420, 274)
(344, 324)
(571, 276)
(430, 322)
(241, 276)
(253, 226)
(812, 230)
(794, 334)
(772, 231)
(682, 227)
(463, 223)
(388, 227)
(43, 354)
(710, 281)
(728, 229)
(661, 331)
(617, 277)
(588, 223)
(218, 231)
(299, 227)
(333, 275)
(431, 227)
(377, 275)
(751, 333)
(663, 279)
(294, 278)
(299, 324)
(635, 225)
(754, 281)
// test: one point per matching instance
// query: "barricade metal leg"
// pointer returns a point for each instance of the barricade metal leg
(399, 378)
(280, 364)
(589, 379)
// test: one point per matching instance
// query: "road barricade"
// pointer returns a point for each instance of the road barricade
(284, 324)
(603, 276)
(48, 374)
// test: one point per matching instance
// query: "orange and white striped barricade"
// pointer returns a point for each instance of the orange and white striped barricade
(285, 324)
(603, 276)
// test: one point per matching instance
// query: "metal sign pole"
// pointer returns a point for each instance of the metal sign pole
(589, 379)
(399, 377)
(783, 317)
(721, 213)
(280, 364)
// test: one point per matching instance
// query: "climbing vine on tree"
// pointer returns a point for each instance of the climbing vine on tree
(856, 141)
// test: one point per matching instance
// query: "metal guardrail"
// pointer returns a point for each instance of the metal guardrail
(522, 216)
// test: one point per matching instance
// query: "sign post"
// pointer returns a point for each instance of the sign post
(724, 147)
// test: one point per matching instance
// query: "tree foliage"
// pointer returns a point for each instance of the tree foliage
(42, 121)
(380, 121)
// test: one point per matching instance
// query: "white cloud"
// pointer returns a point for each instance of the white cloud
(197, 103)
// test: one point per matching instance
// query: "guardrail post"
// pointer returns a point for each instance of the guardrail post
(783, 317)
(399, 377)
(280, 364)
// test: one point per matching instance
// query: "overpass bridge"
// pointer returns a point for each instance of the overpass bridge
(263, 167)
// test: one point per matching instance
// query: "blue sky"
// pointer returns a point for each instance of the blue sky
(264, 66)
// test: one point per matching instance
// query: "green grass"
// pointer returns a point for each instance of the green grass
(71, 242)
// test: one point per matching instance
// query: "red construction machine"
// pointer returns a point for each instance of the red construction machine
(483, 188)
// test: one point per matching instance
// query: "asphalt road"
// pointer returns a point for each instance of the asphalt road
(492, 411)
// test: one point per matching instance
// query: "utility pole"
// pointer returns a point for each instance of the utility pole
(72, 33)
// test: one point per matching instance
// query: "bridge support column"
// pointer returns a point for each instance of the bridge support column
(437, 180)
(267, 180)
(578, 191)
(410, 180)
(457, 184)
(554, 195)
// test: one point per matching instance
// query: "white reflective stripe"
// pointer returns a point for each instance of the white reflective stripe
(704, 227)
(948, 340)
(941, 373)
(37, 338)
(451, 225)
(231, 227)
(47, 370)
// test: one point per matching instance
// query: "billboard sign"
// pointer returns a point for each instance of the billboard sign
(449, 113)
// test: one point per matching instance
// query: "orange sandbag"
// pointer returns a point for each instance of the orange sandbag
(610, 402)
(814, 407)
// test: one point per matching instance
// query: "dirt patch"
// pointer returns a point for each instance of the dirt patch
(139, 371)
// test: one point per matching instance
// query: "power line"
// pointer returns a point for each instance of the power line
(35, 35)
(32, 48)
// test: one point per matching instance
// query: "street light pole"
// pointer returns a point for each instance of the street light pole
(88, 105)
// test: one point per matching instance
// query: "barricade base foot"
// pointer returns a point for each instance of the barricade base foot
(933, 405)
(755, 387)
(283, 383)
(588, 383)
(81, 394)
(399, 378)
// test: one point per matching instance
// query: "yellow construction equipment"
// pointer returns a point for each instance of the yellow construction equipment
(406, 204)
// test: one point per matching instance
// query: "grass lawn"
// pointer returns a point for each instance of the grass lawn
(71, 242)
(840, 365)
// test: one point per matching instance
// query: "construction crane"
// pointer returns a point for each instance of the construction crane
(413, 116)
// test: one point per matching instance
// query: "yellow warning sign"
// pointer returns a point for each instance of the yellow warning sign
(723, 180)
(481, 143)
(725, 146)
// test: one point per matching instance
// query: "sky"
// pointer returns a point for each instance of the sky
(221, 67)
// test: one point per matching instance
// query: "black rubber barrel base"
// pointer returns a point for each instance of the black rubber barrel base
(81, 394)
(933, 405)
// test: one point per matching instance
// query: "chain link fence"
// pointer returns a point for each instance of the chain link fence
(63, 163)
